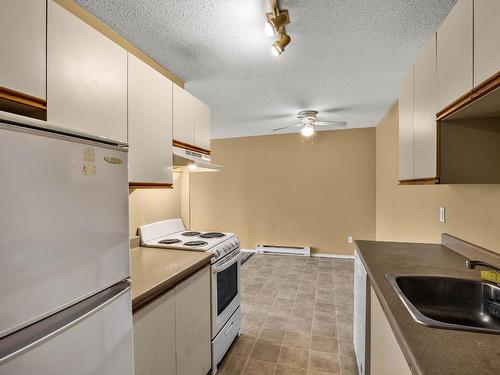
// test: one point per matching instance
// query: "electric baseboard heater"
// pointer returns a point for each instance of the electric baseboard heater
(284, 250)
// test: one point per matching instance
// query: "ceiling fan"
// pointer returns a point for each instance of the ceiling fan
(309, 122)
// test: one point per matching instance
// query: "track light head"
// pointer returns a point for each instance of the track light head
(273, 24)
(278, 47)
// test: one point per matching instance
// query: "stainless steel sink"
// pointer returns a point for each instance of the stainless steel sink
(450, 303)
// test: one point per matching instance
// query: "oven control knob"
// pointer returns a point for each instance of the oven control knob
(216, 253)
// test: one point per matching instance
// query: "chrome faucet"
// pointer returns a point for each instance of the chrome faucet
(471, 264)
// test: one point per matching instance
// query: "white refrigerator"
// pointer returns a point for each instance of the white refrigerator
(64, 252)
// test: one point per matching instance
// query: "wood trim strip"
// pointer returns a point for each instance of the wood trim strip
(25, 99)
(150, 185)
(100, 26)
(420, 181)
(190, 147)
(469, 250)
(479, 91)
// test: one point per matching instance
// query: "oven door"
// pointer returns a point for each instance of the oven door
(225, 290)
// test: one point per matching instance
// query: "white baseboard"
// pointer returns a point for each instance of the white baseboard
(328, 255)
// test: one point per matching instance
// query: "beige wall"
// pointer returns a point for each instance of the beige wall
(278, 190)
(149, 205)
(411, 213)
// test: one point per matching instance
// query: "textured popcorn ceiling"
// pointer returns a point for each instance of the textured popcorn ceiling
(345, 59)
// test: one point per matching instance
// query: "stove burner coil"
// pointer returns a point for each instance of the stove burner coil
(195, 243)
(169, 241)
(191, 234)
(212, 235)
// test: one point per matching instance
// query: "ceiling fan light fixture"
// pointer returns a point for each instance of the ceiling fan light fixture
(307, 131)
(278, 47)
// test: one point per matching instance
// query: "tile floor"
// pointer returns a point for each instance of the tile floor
(297, 318)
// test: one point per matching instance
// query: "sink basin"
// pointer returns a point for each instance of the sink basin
(450, 303)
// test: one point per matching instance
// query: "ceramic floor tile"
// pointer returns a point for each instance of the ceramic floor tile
(254, 367)
(272, 335)
(241, 347)
(297, 340)
(292, 357)
(327, 362)
(298, 318)
(231, 365)
(324, 344)
(264, 351)
(284, 370)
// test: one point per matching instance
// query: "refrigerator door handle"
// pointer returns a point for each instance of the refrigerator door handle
(20, 341)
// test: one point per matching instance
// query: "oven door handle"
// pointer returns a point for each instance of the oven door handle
(226, 264)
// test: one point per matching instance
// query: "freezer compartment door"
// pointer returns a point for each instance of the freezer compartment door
(63, 220)
(93, 337)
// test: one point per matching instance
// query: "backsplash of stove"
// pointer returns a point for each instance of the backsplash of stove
(150, 205)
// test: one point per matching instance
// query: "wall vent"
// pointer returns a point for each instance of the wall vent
(284, 250)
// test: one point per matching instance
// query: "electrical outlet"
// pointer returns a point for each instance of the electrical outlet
(442, 215)
(350, 239)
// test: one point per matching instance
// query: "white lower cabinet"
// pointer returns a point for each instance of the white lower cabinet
(154, 337)
(386, 356)
(172, 334)
(192, 322)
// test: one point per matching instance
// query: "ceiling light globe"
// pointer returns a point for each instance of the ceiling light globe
(307, 131)
(269, 28)
(191, 166)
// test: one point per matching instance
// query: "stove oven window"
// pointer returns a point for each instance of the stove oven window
(227, 287)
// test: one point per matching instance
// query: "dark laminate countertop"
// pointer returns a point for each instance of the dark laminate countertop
(154, 271)
(428, 350)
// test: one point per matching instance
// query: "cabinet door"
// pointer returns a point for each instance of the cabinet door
(386, 356)
(454, 54)
(184, 108)
(193, 324)
(406, 127)
(86, 77)
(486, 38)
(150, 124)
(424, 113)
(154, 337)
(23, 46)
(202, 125)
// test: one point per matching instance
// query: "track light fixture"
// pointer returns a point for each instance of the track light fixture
(275, 25)
(278, 47)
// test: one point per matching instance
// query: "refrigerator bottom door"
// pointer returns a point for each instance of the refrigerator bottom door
(93, 337)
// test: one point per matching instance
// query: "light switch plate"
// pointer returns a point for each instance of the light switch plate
(442, 215)
(350, 239)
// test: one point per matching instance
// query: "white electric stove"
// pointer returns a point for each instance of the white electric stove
(225, 266)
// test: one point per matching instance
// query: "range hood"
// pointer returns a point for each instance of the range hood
(193, 161)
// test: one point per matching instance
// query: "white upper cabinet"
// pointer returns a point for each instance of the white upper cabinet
(406, 127)
(424, 113)
(455, 54)
(86, 77)
(202, 125)
(149, 124)
(486, 39)
(183, 116)
(192, 119)
(23, 46)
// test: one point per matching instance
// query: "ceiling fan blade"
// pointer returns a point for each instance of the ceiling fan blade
(286, 127)
(330, 123)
